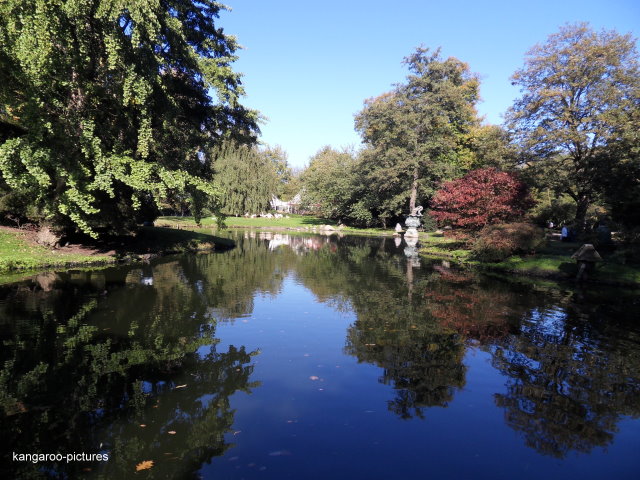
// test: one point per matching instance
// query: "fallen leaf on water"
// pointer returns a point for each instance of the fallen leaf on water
(279, 453)
(171, 432)
(147, 464)
(314, 378)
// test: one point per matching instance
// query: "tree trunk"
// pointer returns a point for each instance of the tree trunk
(414, 191)
(583, 202)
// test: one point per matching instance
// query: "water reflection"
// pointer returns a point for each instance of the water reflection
(568, 385)
(117, 360)
(112, 362)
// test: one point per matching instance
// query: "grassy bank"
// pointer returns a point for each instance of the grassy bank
(552, 261)
(294, 222)
(19, 252)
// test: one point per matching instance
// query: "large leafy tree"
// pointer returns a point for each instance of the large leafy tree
(579, 89)
(110, 105)
(415, 132)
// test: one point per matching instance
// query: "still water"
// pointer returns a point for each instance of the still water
(309, 357)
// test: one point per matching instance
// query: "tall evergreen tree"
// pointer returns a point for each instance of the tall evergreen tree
(111, 104)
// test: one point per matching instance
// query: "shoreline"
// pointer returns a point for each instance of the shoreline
(550, 266)
(21, 256)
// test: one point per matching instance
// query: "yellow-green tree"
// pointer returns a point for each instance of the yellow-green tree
(113, 107)
(579, 89)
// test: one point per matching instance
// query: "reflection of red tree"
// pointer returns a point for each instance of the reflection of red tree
(473, 312)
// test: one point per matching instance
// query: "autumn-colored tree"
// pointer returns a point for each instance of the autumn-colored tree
(482, 197)
(580, 92)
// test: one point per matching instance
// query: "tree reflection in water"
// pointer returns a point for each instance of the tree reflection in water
(571, 358)
(88, 358)
(95, 363)
(567, 386)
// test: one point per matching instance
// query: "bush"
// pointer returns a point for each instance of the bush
(497, 242)
(629, 249)
(429, 223)
(482, 197)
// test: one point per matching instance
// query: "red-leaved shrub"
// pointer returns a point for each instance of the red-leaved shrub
(482, 197)
(498, 242)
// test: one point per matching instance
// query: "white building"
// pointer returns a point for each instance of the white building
(292, 206)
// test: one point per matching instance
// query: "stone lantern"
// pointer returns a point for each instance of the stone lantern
(586, 256)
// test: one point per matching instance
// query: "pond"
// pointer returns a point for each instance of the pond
(309, 357)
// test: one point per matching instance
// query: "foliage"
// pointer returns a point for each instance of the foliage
(480, 198)
(560, 210)
(579, 89)
(486, 146)
(497, 242)
(247, 177)
(111, 99)
(415, 133)
(620, 175)
(333, 187)
(288, 184)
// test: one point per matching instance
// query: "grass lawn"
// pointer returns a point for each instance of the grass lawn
(18, 253)
(554, 260)
(294, 221)
(304, 222)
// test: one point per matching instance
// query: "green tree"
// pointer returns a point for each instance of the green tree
(621, 173)
(279, 159)
(414, 132)
(112, 103)
(246, 176)
(331, 183)
(488, 146)
(578, 89)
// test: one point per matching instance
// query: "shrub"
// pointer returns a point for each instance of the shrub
(497, 242)
(428, 223)
(482, 197)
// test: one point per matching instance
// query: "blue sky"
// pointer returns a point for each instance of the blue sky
(308, 66)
